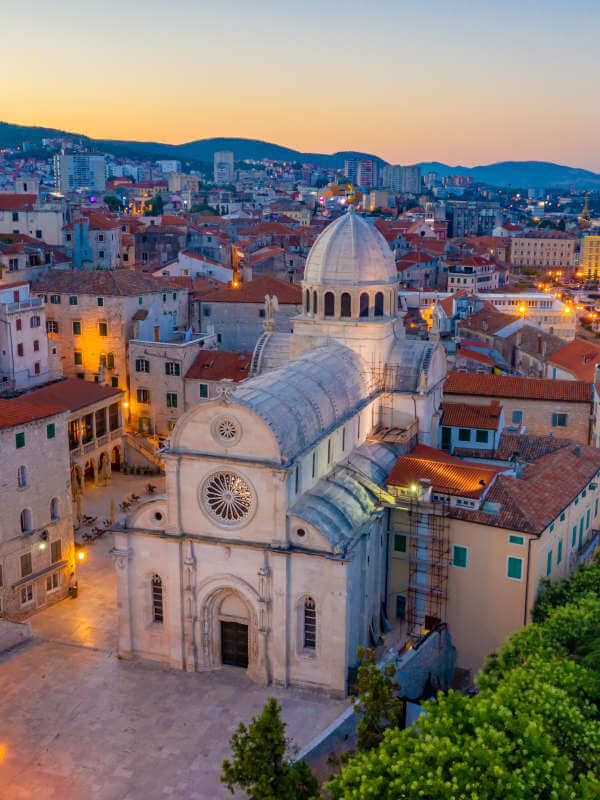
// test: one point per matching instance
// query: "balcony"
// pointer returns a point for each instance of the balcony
(22, 305)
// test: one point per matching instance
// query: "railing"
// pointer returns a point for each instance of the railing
(116, 433)
(102, 440)
(89, 447)
(23, 305)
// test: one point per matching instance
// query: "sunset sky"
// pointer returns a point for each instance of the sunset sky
(459, 82)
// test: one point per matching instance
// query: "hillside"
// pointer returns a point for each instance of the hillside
(521, 174)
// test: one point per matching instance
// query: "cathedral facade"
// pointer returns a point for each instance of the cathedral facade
(269, 550)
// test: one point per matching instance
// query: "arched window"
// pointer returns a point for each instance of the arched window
(157, 600)
(329, 304)
(25, 520)
(364, 305)
(379, 304)
(346, 305)
(314, 302)
(310, 624)
(307, 301)
(22, 477)
(54, 509)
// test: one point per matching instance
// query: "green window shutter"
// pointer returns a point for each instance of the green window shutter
(177, 369)
(559, 553)
(203, 390)
(514, 539)
(587, 519)
(76, 328)
(459, 556)
(562, 516)
(514, 568)
(596, 508)
(20, 439)
(399, 543)
(549, 563)
(167, 366)
(50, 431)
(574, 539)
(551, 527)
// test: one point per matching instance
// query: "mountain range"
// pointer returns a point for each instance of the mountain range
(518, 174)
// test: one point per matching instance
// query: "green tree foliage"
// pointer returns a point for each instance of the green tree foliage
(156, 207)
(113, 202)
(259, 765)
(204, 208)
(585, 581)
(377, 703)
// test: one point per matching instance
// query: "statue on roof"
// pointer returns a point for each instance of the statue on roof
(271, 305)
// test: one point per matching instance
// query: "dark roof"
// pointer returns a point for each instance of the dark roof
(527, 447)
(484, 385)
(255, 291)
(118, 282)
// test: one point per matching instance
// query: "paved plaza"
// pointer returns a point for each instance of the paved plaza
(77, 723)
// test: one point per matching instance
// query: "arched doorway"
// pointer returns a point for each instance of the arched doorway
(89, 473)
(234, 620)
(76, 481)
(104, 466)
(115, 459)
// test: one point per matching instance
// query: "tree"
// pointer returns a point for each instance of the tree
(204, 208)
(259, 765)
(378, 703)
(581, 583)
(156, 207)
(113, 202)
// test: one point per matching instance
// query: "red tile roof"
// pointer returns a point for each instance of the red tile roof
(118, 282)
(466, 352)
(577, 357)
(20, 410)
(482, 385)
(446, 473)
(255, 291)
(71, 394)
(471, 415)
(487, 320)
(10, 201)
(216, 365)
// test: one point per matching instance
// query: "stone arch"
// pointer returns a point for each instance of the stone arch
(307, 625)
(226, 598)
(76, 481)
(378, 305)
(104, 465)
(90, 472)
(116, 458)
(314, 305)
(307, 301)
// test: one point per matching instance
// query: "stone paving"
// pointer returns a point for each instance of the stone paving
(76, 723)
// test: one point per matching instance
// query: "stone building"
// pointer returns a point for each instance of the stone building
(37, 559)
(212, 373)
(94, 314)
(269, 550)
(237, 315)
(544, 249)
(538, 406)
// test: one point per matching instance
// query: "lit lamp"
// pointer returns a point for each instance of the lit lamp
(80, 555)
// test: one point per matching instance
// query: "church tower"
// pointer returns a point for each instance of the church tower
(350, 292)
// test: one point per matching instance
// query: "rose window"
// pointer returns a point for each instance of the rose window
(228, 498)
(226, 430)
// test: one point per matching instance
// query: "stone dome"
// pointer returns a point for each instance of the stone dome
(350, 252)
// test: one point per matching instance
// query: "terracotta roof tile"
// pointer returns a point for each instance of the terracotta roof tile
(467, 415)
(119, 282)
(216, 365)
(578, 357)
(10, 201)
(71, 394)
(255, 291)
(483, 385)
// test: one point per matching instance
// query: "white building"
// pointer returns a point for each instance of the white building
(223, 167)
(269, 550)
(24, 353)
(194, 265)
(25, 213)
(73, 171)
(169, 165)
(541, 308)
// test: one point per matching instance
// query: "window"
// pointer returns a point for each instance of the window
(73, 300)
(27, 595)
(310, 624)
(142, 365)
(100, 253)
(549, 563)
(51, 326)
(164, 298)
(559, 420)
(55, 298)
(481, 436)
(460, 556)
(18, 324)
(574, 536)
(174, 295)
(100, 301)
(26, 568)
(329, 304)
(329, 451)
(514, 568)
(157, 600)
(36, 345)
(114, 382)
(559, 553)
(55, 551)
(34, 322)
(206, 311)
(52, 581)
(110, 361)
(103, 329)
(50, 431)
(76, 328)
(314, 463)
(399, 543)
(143, 396)
(203, 390)
(562, 516)
(346, 307)
(171, 399)
(378, 312)
(517, 417)
(22, 477)
(587, 518)
(20, 349)
(15, 216)
(400, 606)
(171, 368)
(596, 508)
(551, 527)
(20, 440)
(78, 357)
(464, 434)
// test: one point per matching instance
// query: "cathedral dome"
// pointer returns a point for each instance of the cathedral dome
(350, 252)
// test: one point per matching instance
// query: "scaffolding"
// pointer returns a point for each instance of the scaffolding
(426, 527)
(393, 425)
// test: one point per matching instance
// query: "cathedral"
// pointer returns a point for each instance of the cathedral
(269, 551)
